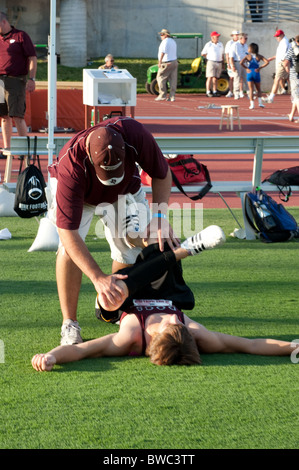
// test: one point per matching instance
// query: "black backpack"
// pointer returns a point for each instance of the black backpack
(284, 179)
(270, 220)
(30, 197)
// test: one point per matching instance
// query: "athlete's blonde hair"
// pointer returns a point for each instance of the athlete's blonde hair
(175, 345)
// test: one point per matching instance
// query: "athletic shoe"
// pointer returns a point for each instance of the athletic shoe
(229, 95)
(237, 96)
(242, 95)
(251, 106)
(207, 239)
(106, 316)
(209, 94)
(70, 333)
(261, 105)
(267, 99)
(159, 98)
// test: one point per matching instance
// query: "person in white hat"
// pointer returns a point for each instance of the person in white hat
(168, 66)
(236, 53)
(234, 38)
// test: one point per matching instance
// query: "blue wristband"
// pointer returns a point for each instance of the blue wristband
(159, 215)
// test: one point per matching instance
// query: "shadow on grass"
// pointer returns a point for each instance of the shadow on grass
(28, 286)
(236, 244)
(239, 320)
(94, 365)
(103, 365)
(229, 360)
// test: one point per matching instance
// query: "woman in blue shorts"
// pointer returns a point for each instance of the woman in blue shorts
(251, 63)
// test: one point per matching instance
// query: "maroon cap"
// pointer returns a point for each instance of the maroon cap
(279, 32)
(107, 153)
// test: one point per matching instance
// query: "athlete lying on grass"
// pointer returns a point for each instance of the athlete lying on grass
(157, 328)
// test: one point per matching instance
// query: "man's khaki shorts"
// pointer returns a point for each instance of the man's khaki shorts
(213, 69)
(112, 218)
(281, 72)
(12, 96)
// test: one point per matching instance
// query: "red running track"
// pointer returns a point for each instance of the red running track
(189, 115)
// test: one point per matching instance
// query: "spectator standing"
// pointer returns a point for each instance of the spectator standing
(109, 63)
(280, 72)
(17, 60)
(213, 51)
(168, 66)
(237, 52)
(291, 63)
(234, 38)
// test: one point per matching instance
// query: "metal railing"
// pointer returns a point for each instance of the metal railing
(261, 11)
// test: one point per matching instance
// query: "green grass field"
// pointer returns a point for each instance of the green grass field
(245, 288)
(136, 67)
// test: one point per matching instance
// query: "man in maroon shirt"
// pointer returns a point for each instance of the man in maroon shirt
(17, 60)
(96, 171)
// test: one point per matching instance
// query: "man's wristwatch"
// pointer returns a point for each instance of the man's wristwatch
(33, 79)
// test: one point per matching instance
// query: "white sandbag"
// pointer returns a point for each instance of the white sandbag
(5, 234)
(51, 189)
(7, 201)
(47, 238)
(239, 233)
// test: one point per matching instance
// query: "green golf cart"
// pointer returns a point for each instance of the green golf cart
(192, 78)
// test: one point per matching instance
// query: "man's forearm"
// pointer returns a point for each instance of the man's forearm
(79, 253)
(161, 189)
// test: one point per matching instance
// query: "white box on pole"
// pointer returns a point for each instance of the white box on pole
(109, 88)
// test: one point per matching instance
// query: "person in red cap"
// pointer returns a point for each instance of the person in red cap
(213, 51)
(281, 75)
(96, 172)
(291, 64)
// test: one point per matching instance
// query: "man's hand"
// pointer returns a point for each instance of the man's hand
(30, 86)
(110, 292)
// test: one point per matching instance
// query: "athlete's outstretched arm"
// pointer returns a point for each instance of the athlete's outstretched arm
(215, 342)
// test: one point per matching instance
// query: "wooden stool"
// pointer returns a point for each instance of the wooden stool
(229, 116)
